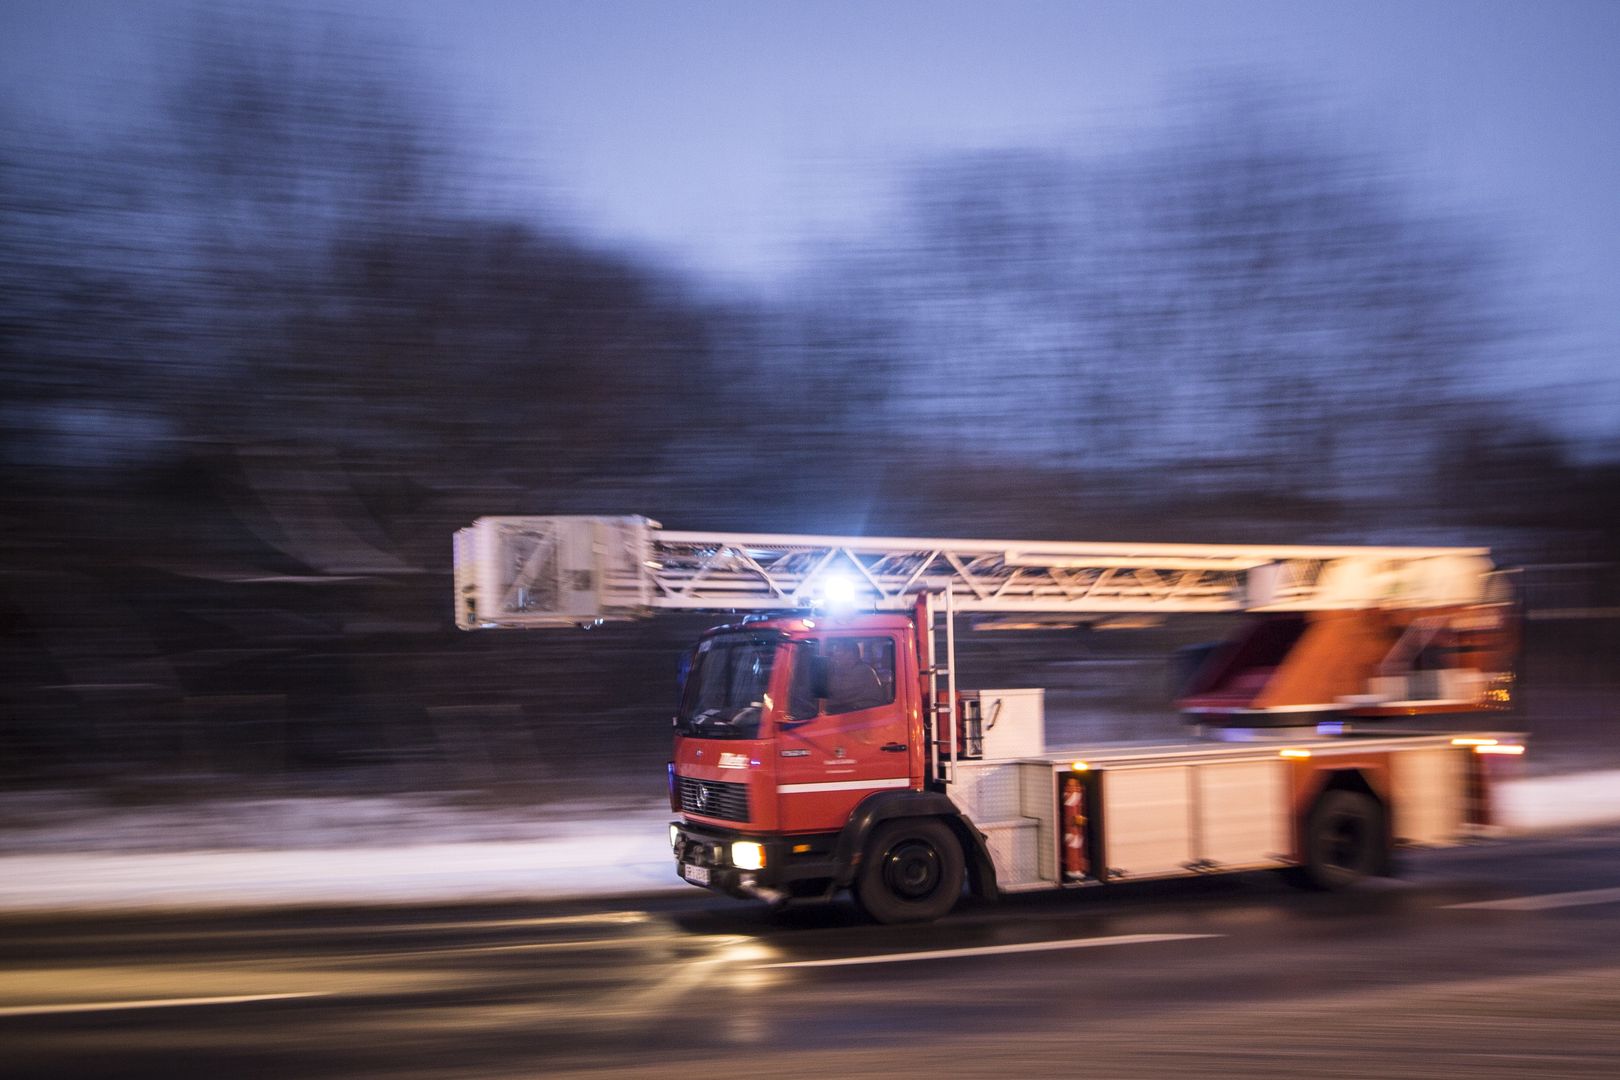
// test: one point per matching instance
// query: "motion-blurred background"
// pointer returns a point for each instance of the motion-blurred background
(288, 293)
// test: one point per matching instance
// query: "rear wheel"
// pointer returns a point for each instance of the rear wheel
(911, 871)
(1345, 840)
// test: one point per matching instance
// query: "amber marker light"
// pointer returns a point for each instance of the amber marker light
(1473, 742)
(1079, 766)
(1511, 751)
(1294, 753)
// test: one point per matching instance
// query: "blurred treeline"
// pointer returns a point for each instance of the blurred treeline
(265, 351)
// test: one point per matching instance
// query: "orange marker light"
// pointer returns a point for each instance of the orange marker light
(1512, 751)
(1079, 766)
(1294, 753)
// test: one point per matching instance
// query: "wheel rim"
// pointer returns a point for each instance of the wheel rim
(911, 869)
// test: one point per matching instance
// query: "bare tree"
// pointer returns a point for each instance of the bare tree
(1240, 291)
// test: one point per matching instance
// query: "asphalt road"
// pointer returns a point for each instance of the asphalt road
(1219, 976)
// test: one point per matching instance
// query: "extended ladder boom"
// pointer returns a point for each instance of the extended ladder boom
(558, 571)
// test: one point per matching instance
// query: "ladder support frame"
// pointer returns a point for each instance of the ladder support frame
(517, 572)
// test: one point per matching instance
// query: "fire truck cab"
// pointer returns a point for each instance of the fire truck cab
(796, 738)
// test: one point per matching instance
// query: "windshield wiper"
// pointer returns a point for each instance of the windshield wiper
(710, 718)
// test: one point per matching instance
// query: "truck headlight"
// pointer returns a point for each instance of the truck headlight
(747, 855)
(674, 835)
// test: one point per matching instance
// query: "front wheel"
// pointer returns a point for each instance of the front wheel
(911, 871)
(1345, 840)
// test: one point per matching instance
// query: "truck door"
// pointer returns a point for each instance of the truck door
(836, 750)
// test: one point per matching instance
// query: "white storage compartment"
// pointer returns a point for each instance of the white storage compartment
(1012, 803)
(987, 791)
(1037, 795)
(1147, 821)
(1013, 723)
(1242, 809)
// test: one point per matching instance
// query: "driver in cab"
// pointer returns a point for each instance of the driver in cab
(852, 683)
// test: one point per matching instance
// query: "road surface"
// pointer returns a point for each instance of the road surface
(1496, 960)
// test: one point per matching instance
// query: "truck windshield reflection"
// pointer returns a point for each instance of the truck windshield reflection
(725, 691)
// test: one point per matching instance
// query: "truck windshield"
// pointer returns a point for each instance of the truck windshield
(725, 690)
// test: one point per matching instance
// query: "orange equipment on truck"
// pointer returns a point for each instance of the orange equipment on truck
(822, 742)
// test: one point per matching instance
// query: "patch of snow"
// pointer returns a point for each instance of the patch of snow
(623, 853)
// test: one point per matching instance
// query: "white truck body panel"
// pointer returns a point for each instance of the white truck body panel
(1200, 805)
(1148, 821)
(1242, 813)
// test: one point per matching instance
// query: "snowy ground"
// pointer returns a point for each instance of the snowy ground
(289, 852)
(625, 852)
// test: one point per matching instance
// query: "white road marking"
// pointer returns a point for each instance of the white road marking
(581, 945)
(151, 1003)
(625, 918)
(991, 950)
(1544, 901)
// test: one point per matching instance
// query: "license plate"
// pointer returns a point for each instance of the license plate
(697, 875)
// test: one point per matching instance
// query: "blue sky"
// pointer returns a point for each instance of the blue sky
(726, 135)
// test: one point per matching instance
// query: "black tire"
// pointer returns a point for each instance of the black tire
(911, 871)
(1345, 840)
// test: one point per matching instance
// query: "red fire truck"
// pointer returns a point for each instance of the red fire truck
(822, 742)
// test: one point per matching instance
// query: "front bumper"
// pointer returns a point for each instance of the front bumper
(794, 865)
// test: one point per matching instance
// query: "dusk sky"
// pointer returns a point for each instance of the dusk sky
(730, 137)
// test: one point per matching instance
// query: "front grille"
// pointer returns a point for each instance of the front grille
(714, 798)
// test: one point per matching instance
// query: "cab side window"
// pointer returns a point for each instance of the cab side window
(802, 701)
(860, 673)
